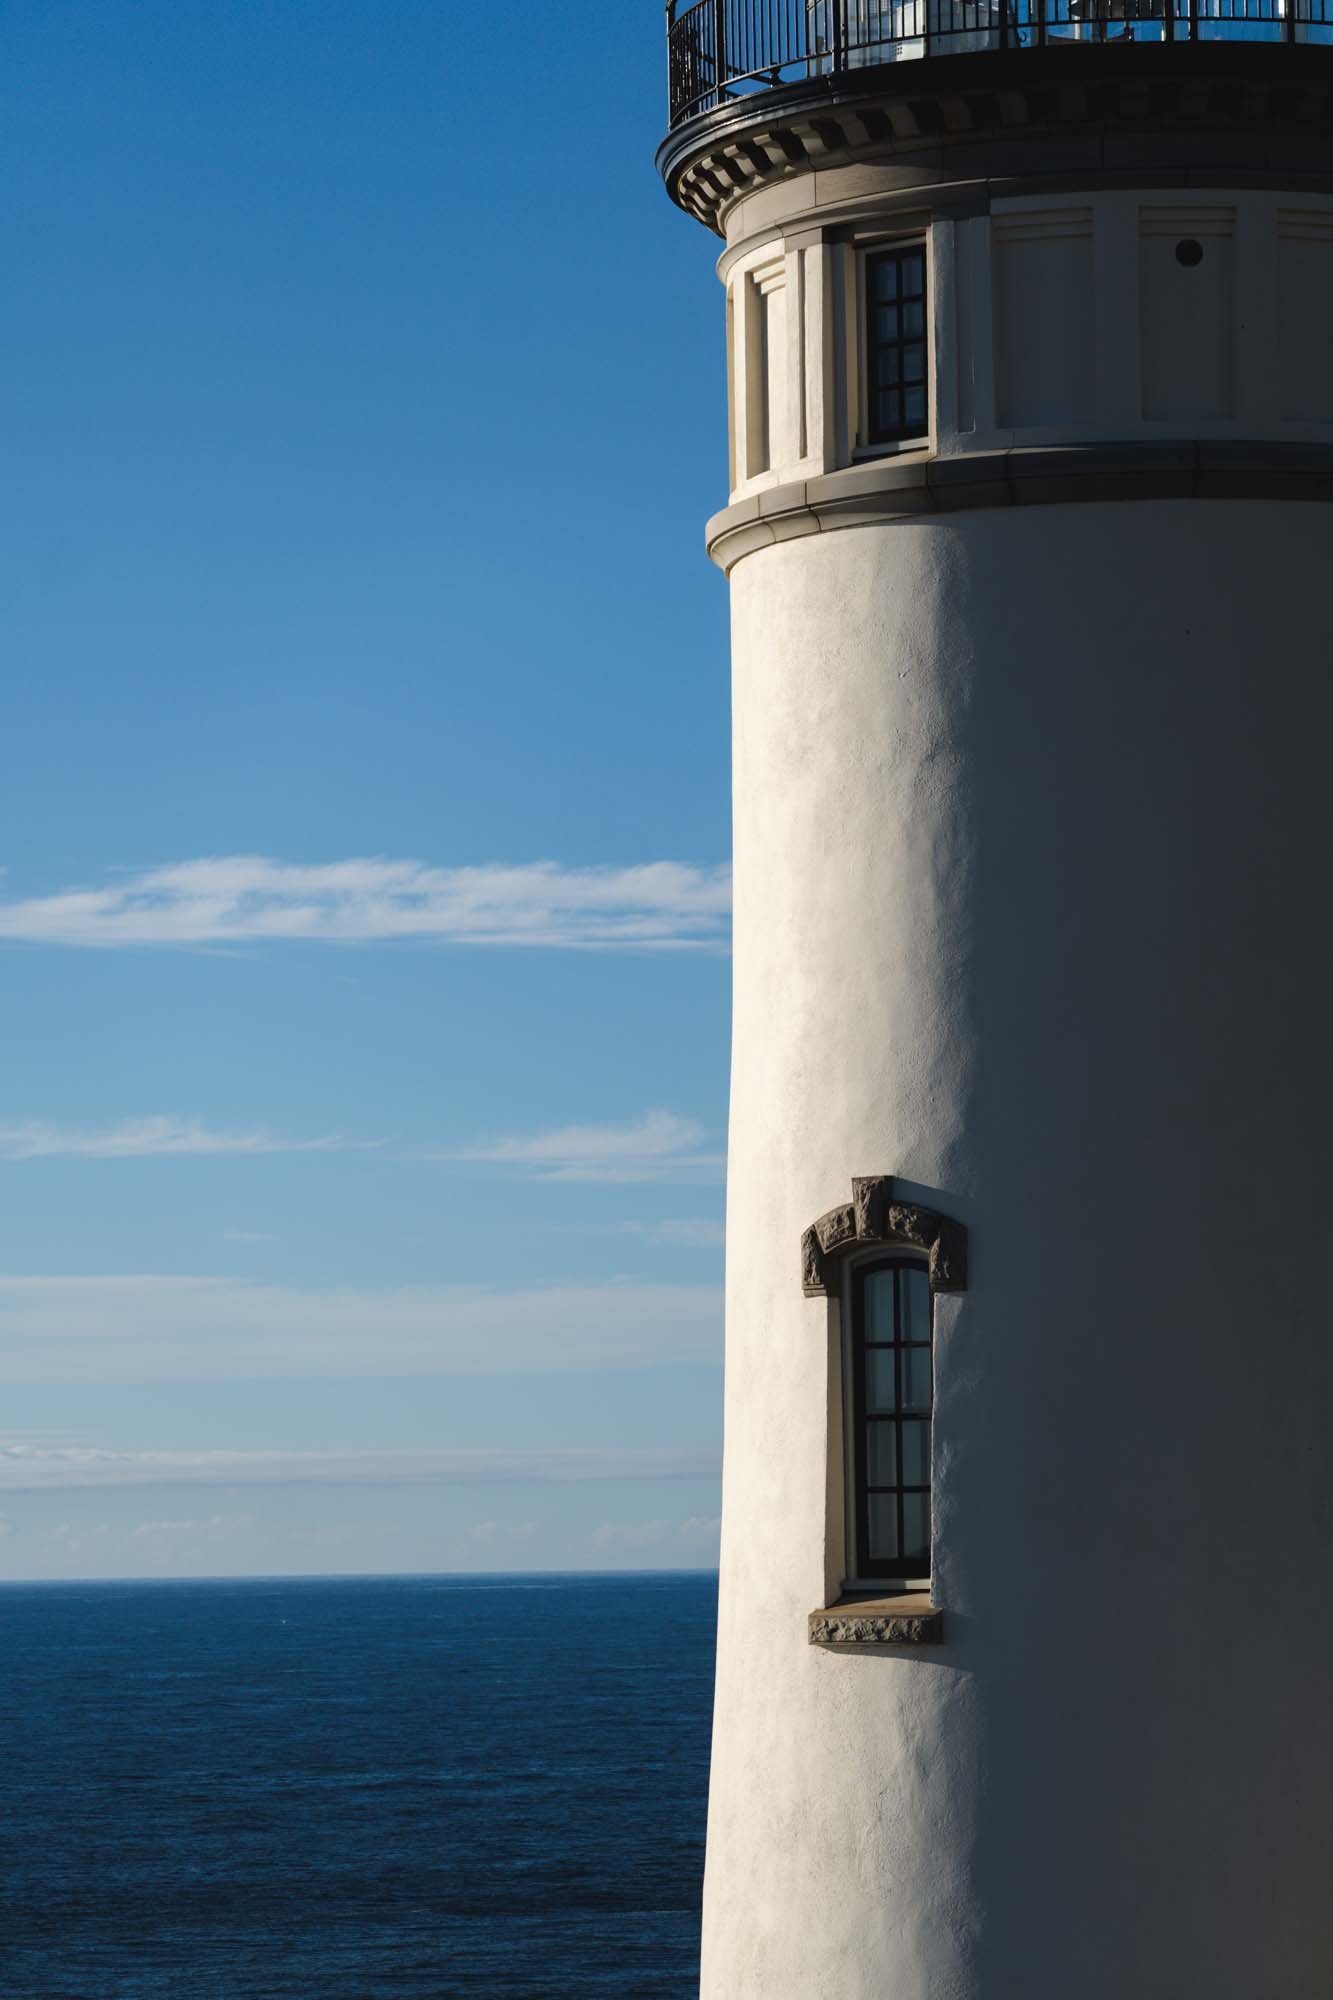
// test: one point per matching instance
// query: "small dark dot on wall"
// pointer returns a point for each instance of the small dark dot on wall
(1189, 253)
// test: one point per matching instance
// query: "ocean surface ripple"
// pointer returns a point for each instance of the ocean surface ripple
(356, 1789)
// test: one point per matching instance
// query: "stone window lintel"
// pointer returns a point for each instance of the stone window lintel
(876, 1215)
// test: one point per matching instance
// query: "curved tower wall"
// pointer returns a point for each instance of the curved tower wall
(1032, 818)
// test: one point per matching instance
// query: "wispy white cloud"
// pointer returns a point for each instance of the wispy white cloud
(658, 1147)
(494, 1534)
(148, 1138)
(26, 1468)
(164, 1537)
(151, 1328)
(685, 1232)
(697, 1538)
(247, 899)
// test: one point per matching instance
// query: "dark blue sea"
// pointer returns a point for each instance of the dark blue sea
(354, 1790)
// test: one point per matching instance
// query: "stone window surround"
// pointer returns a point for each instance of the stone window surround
(876, 1218)
(856, 248)
(821, 272)
(875, 1215)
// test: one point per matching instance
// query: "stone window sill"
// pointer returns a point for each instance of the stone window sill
(857, 1623)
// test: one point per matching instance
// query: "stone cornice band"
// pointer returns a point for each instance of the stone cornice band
(1253, 112)
(903, 489)
(876, 1215)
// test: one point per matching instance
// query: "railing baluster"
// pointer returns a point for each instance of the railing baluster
(719, 50)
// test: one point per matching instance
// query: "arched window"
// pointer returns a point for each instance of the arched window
(890, 1382)
(886, 1260)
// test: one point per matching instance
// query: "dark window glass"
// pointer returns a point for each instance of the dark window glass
(916, 1527)
(914, 1292)
(916, 1378)
(896, 290)
(882, 1454)
(881, 1308)
(893, 1392)
(883, 1528)
(881, 1379)
(916, 1455)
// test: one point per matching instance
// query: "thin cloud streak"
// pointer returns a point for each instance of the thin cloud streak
(661, 1146)
(682, 1233)
(151, 1328)
(25, 1468)
(152, 1138)
(248, 900)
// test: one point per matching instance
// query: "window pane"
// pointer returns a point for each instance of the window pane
(914, 319)
(886, 278)
(914, 363)
(895, 1392)
(889, 365)
(914, 273)
(915, 400)
(882, 1454)
(916, 1525)
(916, 1454)
(890, 410)
(914, 1299)
(879, 1306)
(887, 319)
(880, 1391)
(916, 1378)
(883, 1509)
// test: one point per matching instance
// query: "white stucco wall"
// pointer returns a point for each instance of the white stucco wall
(1032, 844)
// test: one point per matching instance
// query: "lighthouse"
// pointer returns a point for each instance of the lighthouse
(1025, 1652)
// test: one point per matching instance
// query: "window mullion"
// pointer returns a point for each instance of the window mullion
(898, 1402)
(890, 1315)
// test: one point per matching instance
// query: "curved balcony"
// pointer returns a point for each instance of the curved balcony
(721, 51)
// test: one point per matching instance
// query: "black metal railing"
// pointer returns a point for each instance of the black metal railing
(719, 50)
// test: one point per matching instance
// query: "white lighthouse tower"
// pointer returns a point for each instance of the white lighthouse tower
(1025, 1669)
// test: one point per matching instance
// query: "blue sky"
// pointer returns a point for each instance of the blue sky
(363, 923)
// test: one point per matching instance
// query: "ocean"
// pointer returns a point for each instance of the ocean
(354, 1789)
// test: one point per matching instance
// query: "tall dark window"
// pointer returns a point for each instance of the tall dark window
(896, 303)
(892, 1401)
